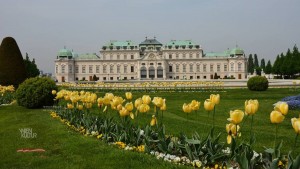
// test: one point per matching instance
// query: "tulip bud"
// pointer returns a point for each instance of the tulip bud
(128, 95)
(54, 92)
(296, 124)
(153, 121)
(282, 107)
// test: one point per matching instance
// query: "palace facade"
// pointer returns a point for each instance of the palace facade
(150, 60)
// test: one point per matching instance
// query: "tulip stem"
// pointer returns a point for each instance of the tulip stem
(214, 116)
(236, 132)
(162, 116)
(295, 141)
(276, 131)
(251, 125)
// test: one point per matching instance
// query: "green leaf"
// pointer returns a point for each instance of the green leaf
(269, 150)
(242, 160)
(192, 141)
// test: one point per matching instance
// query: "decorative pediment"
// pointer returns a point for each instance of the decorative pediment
(152, 56)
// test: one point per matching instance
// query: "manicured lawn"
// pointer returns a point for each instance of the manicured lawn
(66, 148)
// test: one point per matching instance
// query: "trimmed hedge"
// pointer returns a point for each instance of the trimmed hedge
(36, 92)
(258, 83)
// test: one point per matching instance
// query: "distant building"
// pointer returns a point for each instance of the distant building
(150, 60)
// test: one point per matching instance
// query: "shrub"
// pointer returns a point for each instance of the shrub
(258, 83)
(12, 67)
(36, 92)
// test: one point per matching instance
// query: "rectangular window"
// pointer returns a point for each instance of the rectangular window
(97, 69)
(125, 68)
(232, 66)
(183, 55)
(76, 69)
(132, 57)
(183, 68)
(111, 69)
(197, 55)
(104, 69)
(191, 68)
(170, 68)
(211, 68)
(204, 68)
(131, 69)
(177, 68)
(62, 68)
(177, 56)
(110, 57)
(218, 68)
(56, 69)
(198, 68)
(118, 68)
(125, 57)
(90, 69)
(225, 68)
(70, 69)
(170, 56)
(83, 69)
(118, 57)
(239, 67)
(191, 56)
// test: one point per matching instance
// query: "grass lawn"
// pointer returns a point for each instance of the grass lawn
(66, 148)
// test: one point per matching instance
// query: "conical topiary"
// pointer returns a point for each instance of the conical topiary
(12, 68)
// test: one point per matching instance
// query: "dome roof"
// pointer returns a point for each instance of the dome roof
(64, 53)
(237, 51)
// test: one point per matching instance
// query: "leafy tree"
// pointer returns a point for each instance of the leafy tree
(268, 68)
(31, 67)
(12, 67)
(262, 64)
(250, 64)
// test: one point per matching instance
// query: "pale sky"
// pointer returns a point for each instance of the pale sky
(43, 27)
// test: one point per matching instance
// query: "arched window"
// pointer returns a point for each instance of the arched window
(160, 72)
(143, 72)
(151, 72)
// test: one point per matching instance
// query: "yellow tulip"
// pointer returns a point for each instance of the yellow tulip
(164, 106)
(215, 98)
(119, 107)
(276, 117)
(208, 105)
(88, 105)
(138, 102)
(129, 106)
(106, 100)
(232, 130)
(54, 92)
(158, 101)
(110, 96)
(296, 124)
(124, 112)
(186, 108)
(128, 95)
(80, 107)
(146, 99)
(195, 105)
(236, 116)
(143, 108)
(116, 101)
(100, 100)
(251, 107)
(70, 106)
(282, 107)
(153, 121)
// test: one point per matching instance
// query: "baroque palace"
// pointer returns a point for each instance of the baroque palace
(150, 60)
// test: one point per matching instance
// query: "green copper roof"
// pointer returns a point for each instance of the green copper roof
(237, 51)
(120, 43)
(64, 53)
(226, 53)
(150, 42)
(180, 43)
(88, 56)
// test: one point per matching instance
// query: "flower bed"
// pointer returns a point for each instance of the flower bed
(208, 152)
(292, 101)
(6, 94)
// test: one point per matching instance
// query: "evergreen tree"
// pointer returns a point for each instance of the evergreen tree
(250, 64)
(276, 66)
(256, 65)
(296, 59)
(268, 68)
(12, 68)
(31, 67)
(262, 64)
